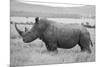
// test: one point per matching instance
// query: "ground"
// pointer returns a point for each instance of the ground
(34, 53)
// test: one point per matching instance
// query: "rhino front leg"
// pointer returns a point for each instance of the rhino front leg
(52, 48)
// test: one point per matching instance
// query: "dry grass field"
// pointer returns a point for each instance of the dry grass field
(24, 54)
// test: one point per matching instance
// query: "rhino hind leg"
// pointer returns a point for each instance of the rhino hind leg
(85, 45)
(85, 49)
(85, 41)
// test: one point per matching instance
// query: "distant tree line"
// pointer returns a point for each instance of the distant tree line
(88, 25)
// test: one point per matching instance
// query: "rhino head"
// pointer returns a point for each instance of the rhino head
(29, 35)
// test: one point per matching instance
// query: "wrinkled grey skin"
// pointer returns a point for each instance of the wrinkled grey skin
(57, 35)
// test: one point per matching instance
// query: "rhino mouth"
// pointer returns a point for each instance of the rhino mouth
(29, 39)
(26, 41)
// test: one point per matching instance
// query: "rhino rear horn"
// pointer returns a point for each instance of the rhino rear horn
(26, 29)
(19, 31)
(36, 19)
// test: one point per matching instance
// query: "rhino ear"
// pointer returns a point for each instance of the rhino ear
(36, 19)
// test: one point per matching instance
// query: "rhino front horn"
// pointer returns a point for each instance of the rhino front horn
(19, 31)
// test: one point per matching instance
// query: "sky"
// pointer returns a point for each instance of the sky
(51, 3)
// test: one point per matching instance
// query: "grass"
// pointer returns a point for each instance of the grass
(24, 54)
